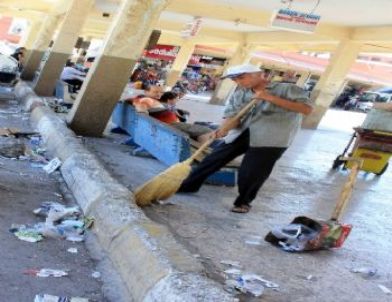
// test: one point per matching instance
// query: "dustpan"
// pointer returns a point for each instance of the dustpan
(308, 234)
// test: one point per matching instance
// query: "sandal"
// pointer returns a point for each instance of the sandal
(242, 209)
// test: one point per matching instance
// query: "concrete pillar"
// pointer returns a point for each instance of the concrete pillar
(180, 63)
(331, 81)
(43, 38)
(62, 47)
(303, 78)
(242, 55)
(29, 38)
(110, 72)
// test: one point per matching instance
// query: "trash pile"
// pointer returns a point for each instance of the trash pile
(58, 105)
(36, 154)
(246, 283)
(304, 234)
(60, 222)
(294, 237)
(13, 146)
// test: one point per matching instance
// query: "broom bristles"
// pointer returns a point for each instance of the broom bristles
(163, 185)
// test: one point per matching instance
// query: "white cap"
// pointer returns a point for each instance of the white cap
(240, 69)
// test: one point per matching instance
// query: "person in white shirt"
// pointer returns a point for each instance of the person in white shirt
(72, 76)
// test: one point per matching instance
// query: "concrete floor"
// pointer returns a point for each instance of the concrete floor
(23, 188)
(301, 184)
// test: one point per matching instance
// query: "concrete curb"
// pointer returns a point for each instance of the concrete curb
(153, 266)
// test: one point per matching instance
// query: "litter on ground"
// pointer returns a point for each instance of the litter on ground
(72, 250)
(50, 298)
(46, 272)
(365, 272)
(385, 289)
(53, 165)
(61, 222)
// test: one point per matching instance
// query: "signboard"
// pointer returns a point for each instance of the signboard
(162, 52)
(292, 20)
(18, 27)
(192, 28)
(8, 30)
(169, 53)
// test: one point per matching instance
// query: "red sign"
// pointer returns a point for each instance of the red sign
(194, 60)
(169, 53)
(162, 52)
(5, 25)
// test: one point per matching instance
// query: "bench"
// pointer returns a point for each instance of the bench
(165, 143)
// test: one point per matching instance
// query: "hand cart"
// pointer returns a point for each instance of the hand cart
(374, 147)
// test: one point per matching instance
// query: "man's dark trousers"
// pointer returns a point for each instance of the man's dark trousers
(75, 83)
(255, 168)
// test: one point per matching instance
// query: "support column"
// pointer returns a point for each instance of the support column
(331, 81)
(225, 87)
(303, 78)
(29, 38)
(180, 63)
(62, 46)
(110, 72)
(39, 46)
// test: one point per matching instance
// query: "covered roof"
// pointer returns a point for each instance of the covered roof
(360, 71)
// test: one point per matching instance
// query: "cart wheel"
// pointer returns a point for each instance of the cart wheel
(383, 170)
(337, 162)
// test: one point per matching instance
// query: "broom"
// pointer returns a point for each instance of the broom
(168, 182)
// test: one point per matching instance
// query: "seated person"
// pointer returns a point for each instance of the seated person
(150, 104)
(72, 76)
(196, 132)
(170, 99)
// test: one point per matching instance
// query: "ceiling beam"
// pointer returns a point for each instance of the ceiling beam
(31, 7)
(373, 34)
(30, 16)
(173, 38)
(280, 37)
(221, 35)
(26, 6)
(231, 13)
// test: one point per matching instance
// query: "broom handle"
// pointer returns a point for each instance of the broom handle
(242, 112)
(345, 194)
(237, 117)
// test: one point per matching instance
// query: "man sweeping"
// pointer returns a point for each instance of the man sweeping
(263, 135)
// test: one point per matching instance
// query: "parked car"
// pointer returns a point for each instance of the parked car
(364, 102)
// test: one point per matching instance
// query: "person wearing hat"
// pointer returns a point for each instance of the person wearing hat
(262, 136)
